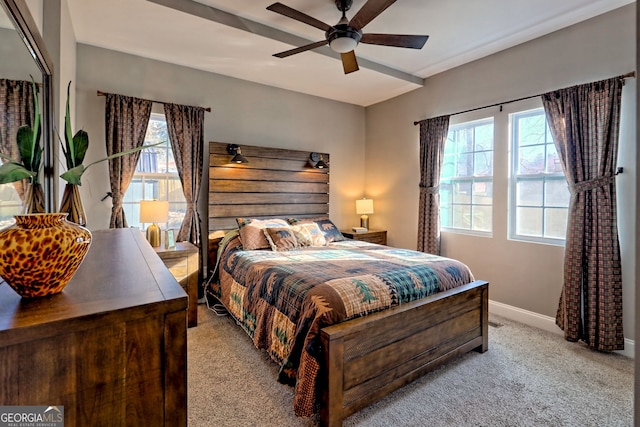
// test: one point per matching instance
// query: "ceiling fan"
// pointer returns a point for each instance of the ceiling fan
(346, 34)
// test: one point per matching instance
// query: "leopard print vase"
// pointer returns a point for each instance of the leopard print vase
(40, 253)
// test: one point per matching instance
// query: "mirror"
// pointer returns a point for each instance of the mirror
(24, 55)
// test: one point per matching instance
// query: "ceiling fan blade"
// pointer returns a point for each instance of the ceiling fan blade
(349, 62)
(300, 49)
(396, 40)
(298, 16)
(370, 10)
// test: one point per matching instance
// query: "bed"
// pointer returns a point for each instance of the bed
(407, 312)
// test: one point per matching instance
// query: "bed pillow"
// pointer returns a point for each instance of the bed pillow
(330, 231)
(302, 236)
(281, 238)
(296, 221)
(328, 228)
(251, 234)
(309, 234)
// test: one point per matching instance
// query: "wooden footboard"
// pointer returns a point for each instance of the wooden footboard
(370, 357)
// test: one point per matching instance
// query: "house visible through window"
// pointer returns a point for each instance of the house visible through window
(156, 177)
(466, 179)
(539, 197)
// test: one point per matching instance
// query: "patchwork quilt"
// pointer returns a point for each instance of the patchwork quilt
(283, 299)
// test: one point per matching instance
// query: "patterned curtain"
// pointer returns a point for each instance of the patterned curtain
(126, 125)
(186, 134)
(433, 136)
(16, 109)
(585, 123)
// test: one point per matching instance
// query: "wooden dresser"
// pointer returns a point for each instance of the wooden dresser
(111, 347)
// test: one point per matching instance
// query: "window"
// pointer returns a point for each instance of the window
(10, 204)
(539, 196)
(466, 179)
(156, 177)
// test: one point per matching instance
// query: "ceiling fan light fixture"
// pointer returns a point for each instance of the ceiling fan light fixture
(342, 38)
(343, 44)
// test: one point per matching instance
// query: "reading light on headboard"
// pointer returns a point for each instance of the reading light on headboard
(237, 154)
(318, 160)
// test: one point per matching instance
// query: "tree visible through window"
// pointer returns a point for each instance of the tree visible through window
(156, 177)
(539, 193)
(466, 179)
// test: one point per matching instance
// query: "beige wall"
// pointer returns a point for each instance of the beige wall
(61, 46)
(242, 113)
(524, 275)
(21, 65)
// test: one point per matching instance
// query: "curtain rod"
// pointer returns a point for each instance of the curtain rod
(631, 74)
(101, 93)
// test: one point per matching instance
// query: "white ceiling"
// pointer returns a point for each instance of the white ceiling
(185, 32)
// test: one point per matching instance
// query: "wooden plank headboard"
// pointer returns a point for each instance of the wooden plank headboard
(276, 183)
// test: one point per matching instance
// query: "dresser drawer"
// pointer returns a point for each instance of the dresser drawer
(372, 236)
(379, 238)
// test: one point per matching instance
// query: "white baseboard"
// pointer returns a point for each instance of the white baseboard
(544, 322)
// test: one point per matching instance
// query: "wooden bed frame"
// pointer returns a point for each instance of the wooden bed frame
(366, 358)
(369, 357)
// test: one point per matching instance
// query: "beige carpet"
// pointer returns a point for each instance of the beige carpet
(528, 377)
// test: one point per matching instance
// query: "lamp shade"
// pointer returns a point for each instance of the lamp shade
(237, 154)
(364, 206)
(239, 158)
(321, 164)
(154, 211)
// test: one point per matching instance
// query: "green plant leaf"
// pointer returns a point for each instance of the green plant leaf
(37, 130)
(37, 148)
(75, 146)
(12, 172)
(25, 140)
(33, 164)
(69, 152)
(29, 149)
(73, 175)
(80, 146)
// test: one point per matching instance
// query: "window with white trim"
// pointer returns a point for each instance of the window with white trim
(539, 196)
(156, 177)
(466, 178)
(10, 204)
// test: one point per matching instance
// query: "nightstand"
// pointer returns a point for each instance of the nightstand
(183, 263)
(372, 236)
(214, 243)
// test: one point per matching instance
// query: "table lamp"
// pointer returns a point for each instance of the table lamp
(154, 211)
(364, 207)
